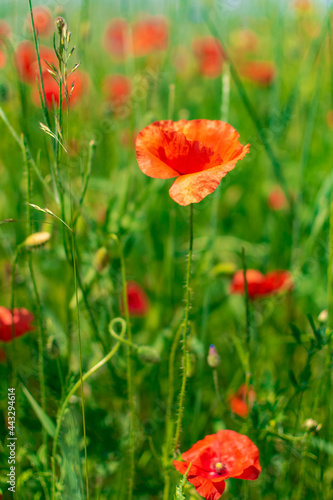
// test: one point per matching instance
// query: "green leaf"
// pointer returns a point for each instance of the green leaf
(44, 419)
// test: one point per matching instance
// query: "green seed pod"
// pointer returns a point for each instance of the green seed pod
(101, 259)
(52, 347)
(148, 354)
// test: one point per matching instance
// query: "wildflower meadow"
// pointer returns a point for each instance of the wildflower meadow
(166, 250)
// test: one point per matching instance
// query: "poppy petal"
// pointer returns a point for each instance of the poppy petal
(251, 472)
(192, 188)
(211, 490)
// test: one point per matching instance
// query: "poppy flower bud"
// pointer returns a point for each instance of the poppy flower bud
(61, 25)
(52, 348)
(213, 358)
(323, 316)
(36, 240)
(101, 259)
(148, 354)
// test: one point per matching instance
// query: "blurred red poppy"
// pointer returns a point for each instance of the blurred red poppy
(2, 359)
(260, 72)
(51, 88)
(150, 34)
(198, 152)
(117, 89)
(42, 20)
(277, 199)
(240, 403)
(3, 59)
(260, 285)
(27, 63)
(21, 319)
(210, 56)
(4, 33)
(117, 38)
(219, 457)
(138, 304)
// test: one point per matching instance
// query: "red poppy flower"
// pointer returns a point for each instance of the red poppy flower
(260, 285)
(239, 402)
(219, 457)
(150, 34)
(51, 88)
(117, 38)
(137, 299)
(260, 72)
(198, 152)
(27, 63)
(210, 55)
(117, 88)
(21, 319)
(277, 199)
(42, 20)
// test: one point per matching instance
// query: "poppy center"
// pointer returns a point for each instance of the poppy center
(220, 468)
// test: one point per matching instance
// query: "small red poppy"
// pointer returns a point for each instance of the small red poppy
(27, 63)
(117, 89)
(198, 152)
(51, 89)
(138, 304)
(219, 457)
(150, 34)
(210, 56)
(240, 403)
(117, 38)
(260, 72)
(42, 20)
(277, 199)
(21, 319)
(260, 285)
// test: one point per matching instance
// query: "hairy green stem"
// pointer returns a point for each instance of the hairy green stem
(185, 331)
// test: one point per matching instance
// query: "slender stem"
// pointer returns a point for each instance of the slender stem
(185, 331)
(168, 419)
(247, 330)
(41, 344)
(80, 356)
(330, 274)
(43, 101)
(73, 391)
(129, 371)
